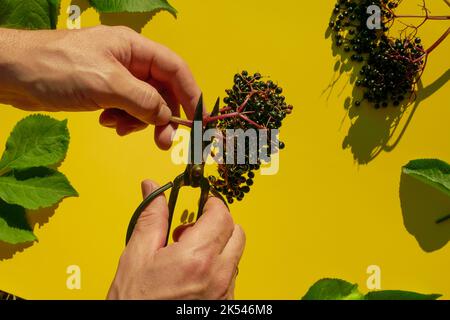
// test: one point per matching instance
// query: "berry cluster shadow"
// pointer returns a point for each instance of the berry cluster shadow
(375, 117)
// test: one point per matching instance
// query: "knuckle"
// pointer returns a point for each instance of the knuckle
(99, 28)
(182, 65)
(220, 287)
(226, 220)
(123, 29)
(241, 233)
(198, 265)
(148, 99)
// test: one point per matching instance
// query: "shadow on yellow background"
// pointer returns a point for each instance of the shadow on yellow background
(422, 205)
(373, 131)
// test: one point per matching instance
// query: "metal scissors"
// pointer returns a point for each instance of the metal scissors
(193, 176)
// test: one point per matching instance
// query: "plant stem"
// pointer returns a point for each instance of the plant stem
(221, 117)
(434, 45)
(443, 219)
(251, 121)
(184, 122)
(423, 17)
(438, 42)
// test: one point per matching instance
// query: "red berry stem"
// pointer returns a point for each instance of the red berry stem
(438, 41)
(434, 45)
(423, 17)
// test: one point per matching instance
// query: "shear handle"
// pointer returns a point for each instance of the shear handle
(141, 208)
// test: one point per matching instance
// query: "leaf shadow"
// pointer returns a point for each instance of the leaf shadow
(421, 206)
(373, 131)
(82, 4)
(35, 218)
(133, 20)
(7, 251)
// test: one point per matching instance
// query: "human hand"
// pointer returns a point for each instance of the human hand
(200, 264)
(138, 82)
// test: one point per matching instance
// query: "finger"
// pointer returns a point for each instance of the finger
(231, 256)
(214, 228)
(125, 127)
(164, 134)
(230, 293)
(180, 231)
(151, 228)
(234, 249)
(140, 100)
(121, 121)
(109, 118)
(155, 61)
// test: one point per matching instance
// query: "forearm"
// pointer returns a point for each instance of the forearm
(23, 54)
(8, 42)
(14, 52)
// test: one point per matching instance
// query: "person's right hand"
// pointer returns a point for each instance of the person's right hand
(201, 264)
(137, 81)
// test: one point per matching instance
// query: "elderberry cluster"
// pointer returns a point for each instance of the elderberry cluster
(256, 104)
(391, 66)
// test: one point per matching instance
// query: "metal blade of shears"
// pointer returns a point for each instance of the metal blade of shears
(195, 155)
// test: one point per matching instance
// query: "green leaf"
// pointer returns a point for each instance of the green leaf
(110, 6)
(400, 295)
(333, 289)
(433, 172)
(336, 289)
(29, 14)
(14, 227)
(36, 141)
(35, 188)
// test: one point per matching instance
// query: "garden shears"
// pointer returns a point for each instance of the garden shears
(193, 176)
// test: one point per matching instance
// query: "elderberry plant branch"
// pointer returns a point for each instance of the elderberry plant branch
(239, 113)
(423, 17)
(438, 42)
(434, 45)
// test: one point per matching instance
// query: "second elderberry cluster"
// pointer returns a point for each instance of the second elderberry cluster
(391, 65)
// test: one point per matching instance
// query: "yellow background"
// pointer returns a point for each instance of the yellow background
(329, 212)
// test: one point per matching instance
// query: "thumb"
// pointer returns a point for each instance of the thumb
(141, 100)
(150, 231)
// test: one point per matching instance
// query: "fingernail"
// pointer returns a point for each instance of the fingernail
(108, 120)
